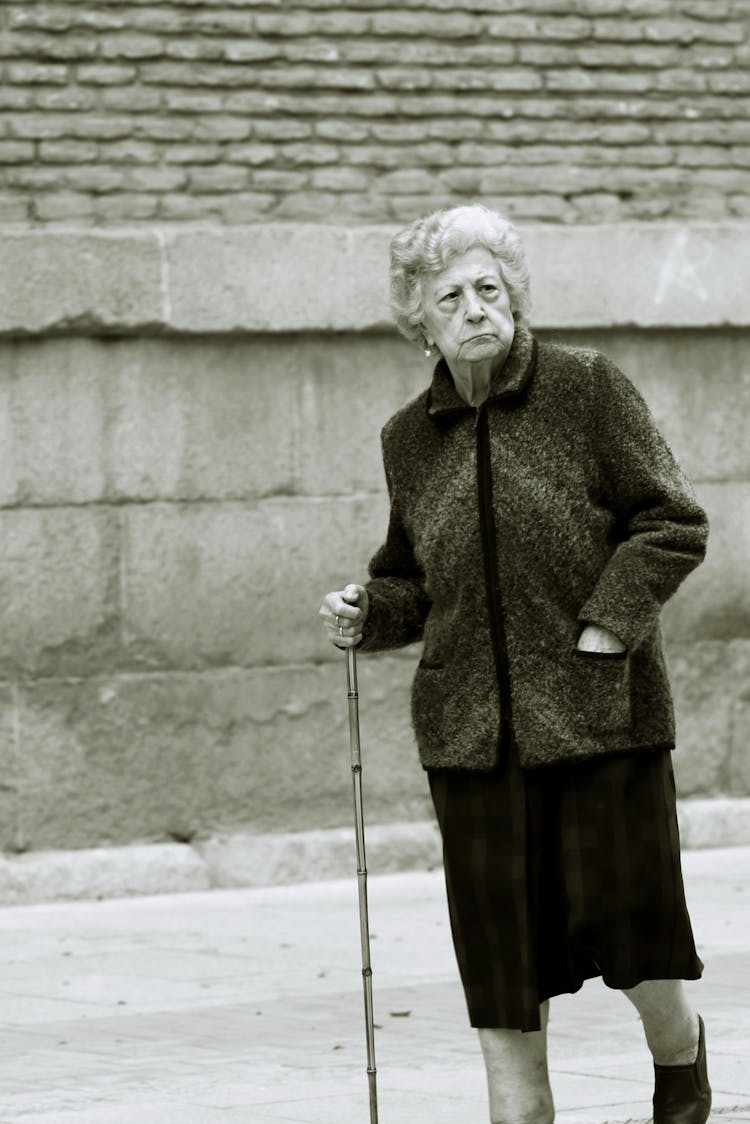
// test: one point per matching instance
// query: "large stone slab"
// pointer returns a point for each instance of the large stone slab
(278, 277)
(218, 584)
(9, 761)
(82, 280)
(209, 418)
(85, 420)
(713, 604)
(59, 571)
(250, 859)
(171, 757)
(665, 274)
(710, 686)
(349, 386)
(57, 414)
(646, 274)
(102, 872)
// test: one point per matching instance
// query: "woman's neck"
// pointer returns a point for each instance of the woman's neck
(472, 380)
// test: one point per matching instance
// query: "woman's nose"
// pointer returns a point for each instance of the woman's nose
(474, 310)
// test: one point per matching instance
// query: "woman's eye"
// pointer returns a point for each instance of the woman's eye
(489, 288)
(448, 297)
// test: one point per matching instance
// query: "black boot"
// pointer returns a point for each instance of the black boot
(682, 1094)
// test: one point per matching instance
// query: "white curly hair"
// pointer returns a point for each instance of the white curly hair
(426, 246)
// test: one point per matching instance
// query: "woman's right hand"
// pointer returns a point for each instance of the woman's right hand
(344, 613)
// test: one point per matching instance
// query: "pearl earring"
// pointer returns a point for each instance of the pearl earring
(428, 351)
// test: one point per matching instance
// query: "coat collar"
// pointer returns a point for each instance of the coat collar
(508, 382)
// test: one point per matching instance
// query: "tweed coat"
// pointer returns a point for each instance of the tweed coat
(555, 504)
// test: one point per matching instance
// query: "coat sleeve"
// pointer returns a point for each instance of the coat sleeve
(398, 600)
(662, 529)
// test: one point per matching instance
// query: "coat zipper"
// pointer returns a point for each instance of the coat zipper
(491, 576)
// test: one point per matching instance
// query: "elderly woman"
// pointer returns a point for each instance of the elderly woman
(538, 523)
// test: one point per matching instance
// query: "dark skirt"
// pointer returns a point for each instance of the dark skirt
(558, 875)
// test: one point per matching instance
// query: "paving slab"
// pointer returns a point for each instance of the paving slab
(246, 1005)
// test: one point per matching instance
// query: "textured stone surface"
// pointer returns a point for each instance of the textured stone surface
(210, 584)
(265, 860)
(59, 572)
(9, 768)
(278, 277)
(665, 274)
(739, 764)
(296, 276)
(109, 872)
(718, 822)
(713, 603)
(79, 280)
(85, 420)
(175, 756)
(709, 682)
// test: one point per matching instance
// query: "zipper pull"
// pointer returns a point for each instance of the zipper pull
(478, 415)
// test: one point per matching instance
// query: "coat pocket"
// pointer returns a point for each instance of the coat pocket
(600, 691)
(427, 705)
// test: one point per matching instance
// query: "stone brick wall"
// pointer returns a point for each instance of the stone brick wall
(243, 110)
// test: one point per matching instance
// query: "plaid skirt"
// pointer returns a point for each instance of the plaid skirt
(561, 874)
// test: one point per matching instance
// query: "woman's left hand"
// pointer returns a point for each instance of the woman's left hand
(594, 638)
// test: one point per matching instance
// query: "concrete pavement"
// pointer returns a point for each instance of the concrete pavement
(246, 1005)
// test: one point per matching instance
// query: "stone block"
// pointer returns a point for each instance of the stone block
(59, 574)
(227, 407)
(209, 584)
(8, 478)
(295, 276)
(713, 604)
(160, 757)
(64, 207)
(82, 280)
(319, 277)
(112, 872)
(719, 822)
(667, 274)
(56, 417)
(9, 760)
(709, 680)
(343, 408)
(85, 420)
(739, 770)
(278, 858)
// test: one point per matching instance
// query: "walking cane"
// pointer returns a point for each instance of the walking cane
(364, 926)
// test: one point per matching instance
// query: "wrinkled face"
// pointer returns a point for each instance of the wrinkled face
(466, 308)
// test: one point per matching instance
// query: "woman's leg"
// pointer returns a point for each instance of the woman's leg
(669, 1021)
(517, 1076)
(682, 1093)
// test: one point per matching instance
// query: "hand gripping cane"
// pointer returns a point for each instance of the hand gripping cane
(364, 926)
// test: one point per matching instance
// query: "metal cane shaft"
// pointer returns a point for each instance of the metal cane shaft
(364, 923)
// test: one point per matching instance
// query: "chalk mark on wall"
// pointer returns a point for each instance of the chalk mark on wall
(678, 271)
